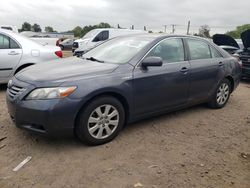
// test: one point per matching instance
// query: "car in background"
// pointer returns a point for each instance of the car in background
(98, 36)
(66, 44)
(10, 28)
(227, 43)
(42, 38)
(245, 54)
(239, 48)
(123, 80)
(18, 52)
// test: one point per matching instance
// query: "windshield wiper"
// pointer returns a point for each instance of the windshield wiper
(94, 59)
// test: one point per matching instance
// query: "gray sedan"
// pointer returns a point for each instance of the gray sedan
(121, 81)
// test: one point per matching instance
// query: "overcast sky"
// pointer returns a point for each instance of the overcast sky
(220, 15)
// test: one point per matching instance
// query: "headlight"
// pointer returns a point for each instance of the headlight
(50, 93)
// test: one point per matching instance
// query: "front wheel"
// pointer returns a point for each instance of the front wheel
(221, 95)
(100, 121)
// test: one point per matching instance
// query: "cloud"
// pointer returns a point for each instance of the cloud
(63, 15)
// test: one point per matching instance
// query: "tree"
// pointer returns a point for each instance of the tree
(36, 28)
(204, 31)
(103, 25)
(26, 26)
(237, 32)
(77, 31)
(49, 29)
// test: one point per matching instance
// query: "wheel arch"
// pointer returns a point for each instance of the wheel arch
(231, 80)
(116, 95)
(22, 67)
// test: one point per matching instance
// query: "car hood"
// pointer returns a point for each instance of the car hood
(225, 40)
(61, 70)
(245, 36)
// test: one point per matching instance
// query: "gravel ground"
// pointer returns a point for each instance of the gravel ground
(195, 147)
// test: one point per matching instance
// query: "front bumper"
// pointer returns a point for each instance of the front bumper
(52, 118)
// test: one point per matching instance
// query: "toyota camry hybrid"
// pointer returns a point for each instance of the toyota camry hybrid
(120, 81)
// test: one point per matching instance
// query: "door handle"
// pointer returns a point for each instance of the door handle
(221, 64)
(13, 53)
(184, 70)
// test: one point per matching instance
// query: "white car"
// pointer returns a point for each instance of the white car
(18, 52)
(97, 36)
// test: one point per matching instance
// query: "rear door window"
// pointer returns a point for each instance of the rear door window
(7, 43)
(198, 49)
(4, 42)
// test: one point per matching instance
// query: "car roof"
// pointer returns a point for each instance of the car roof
(164, 35)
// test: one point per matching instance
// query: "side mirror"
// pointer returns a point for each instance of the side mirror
(152, 61)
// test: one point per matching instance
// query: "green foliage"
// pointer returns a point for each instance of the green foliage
(26, 26)
(49, 29)
(80, 32)
(36, 28)
(237, 32)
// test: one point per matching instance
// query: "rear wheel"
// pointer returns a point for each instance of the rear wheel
(100, 121)
(221, 95)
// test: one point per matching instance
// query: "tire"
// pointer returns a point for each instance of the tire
(221, 95)
(100, 121)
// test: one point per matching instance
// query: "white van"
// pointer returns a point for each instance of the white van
(97, 36)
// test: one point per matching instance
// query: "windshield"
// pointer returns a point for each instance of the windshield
(118, 50)
(90, 34)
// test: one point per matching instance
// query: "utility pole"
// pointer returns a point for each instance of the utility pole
(165, 28)
(188, 28)
(173, 28)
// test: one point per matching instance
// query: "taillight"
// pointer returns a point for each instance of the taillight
(59, 54)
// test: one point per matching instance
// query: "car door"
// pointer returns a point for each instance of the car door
(158, 88)
(206, 69)
(10, 55)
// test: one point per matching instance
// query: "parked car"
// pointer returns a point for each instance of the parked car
(98, 36)
(66, 44)
(18, 52)
(42, 38)
(120, 81)
(10, 28)
(227, 43)
(245, 54)
(236, 48)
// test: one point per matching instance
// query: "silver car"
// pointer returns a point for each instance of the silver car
(18, 52)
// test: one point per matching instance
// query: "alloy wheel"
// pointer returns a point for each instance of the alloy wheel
(103, 121)
(222, 94)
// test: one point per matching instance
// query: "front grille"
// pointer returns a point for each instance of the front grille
(245, 58)
(14, 91)
(75, 44)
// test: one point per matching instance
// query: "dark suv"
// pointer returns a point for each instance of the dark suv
(231, 46)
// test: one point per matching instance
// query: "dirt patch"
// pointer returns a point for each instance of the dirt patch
(196, 147)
